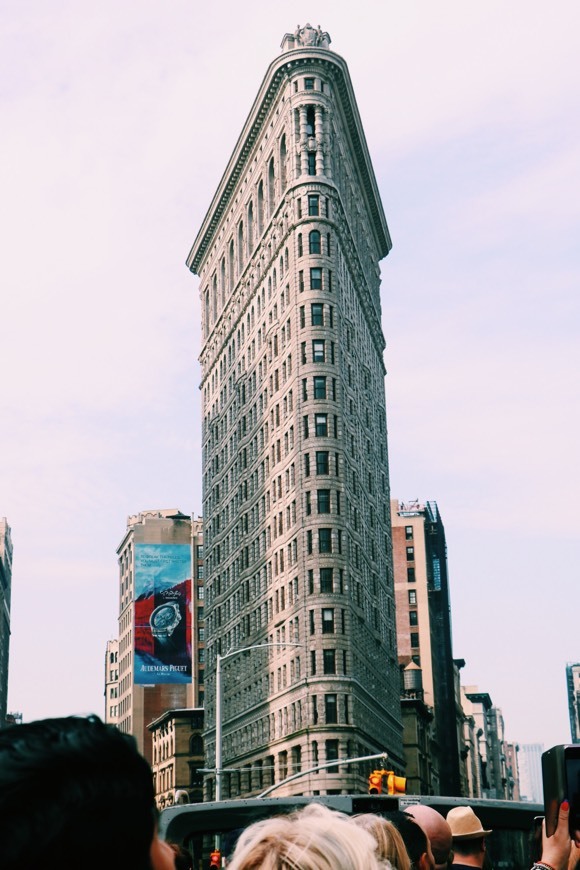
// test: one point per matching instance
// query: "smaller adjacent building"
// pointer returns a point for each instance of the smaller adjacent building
(573, 686)
(177, 757)
(158, 661)
(530, 771)
(494, 773)
(423, 619)
(112, 682)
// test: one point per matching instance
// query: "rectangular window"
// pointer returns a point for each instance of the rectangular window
(327, 620)
(307, 465)
(316, 278)
(409, 533)
(320, 429)
(325, 540)
(332, 754)
(320, 387)
(309, 542)
(312, 163)
(410, 575)
(318, 350)
(331, 712)
(302, 317)
(329, 661)
(410, 554)
(313, 204)
(304, 389)
(311, 581)
(415, 639)
(413, 617)
(322, 463)
(323, 501)
(308, 503)
(326, 581)
(317, 313)
(412, 596)
(313, 662)
(308, 84)
(314, 710)
(301, 281)
(311, 621)
(305, 426)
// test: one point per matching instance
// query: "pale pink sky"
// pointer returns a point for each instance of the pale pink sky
(118, 120)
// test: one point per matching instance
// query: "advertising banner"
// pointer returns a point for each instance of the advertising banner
(162, 613)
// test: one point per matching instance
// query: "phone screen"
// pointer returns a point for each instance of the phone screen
(573, 783)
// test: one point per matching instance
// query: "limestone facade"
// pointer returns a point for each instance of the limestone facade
(295, 473)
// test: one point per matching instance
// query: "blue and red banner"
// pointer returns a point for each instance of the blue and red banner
(163, 588)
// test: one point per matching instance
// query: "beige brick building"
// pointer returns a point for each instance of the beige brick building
(177, 756)
(136, 705)
(295, 473)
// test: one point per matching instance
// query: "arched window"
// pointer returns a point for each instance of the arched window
(314, 242)
(283, 164)
(196, 745)
(271, 188)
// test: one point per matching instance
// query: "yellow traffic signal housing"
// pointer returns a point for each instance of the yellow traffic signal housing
(387, 780)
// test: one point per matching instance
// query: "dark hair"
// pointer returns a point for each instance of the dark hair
(414, 837)
(74, 787)
(468, 846)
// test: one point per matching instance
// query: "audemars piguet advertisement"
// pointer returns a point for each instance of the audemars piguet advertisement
(162, 613)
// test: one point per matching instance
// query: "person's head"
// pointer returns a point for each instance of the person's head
(389, 842)
(314, 838)
(76, 787)
(415, 840)
(437, 830)
(468, 836)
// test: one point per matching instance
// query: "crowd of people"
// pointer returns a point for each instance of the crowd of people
(76, 793)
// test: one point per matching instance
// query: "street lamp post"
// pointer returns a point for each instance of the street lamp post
(218, 705)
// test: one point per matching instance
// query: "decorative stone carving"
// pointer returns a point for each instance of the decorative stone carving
(311, 36)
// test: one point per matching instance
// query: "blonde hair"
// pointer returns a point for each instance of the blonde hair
(314, 838)
(389, 843)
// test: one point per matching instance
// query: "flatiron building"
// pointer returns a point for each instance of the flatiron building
(295, 472)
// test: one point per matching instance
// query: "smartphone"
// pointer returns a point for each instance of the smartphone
(561, 778)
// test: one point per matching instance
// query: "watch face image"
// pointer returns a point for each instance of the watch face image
(163, 616)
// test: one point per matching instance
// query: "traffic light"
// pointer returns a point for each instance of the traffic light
(386, 779)
(215, 860)
(396, 784)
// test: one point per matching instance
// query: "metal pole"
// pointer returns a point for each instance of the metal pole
(218, 728)
(218, 705)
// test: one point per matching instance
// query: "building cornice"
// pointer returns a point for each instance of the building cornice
(277, 74)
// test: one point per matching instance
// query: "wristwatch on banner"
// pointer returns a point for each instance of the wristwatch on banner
(164, 620)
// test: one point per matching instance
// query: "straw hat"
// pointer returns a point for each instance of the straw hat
(464, 824)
